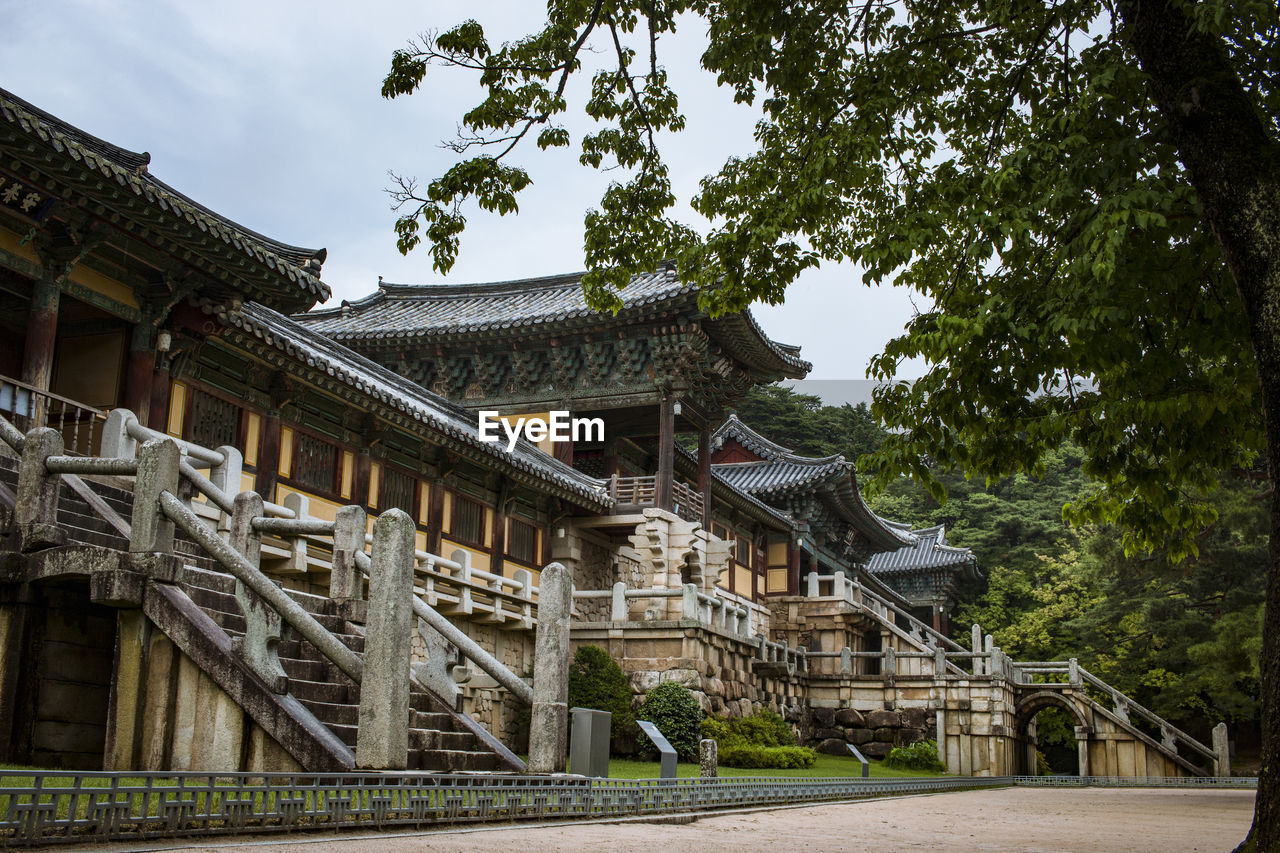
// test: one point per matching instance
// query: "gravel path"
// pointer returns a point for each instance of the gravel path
(1027, 820)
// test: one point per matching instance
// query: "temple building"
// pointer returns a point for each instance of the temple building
(699, 550)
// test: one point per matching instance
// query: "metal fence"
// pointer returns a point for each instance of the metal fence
(51, 807)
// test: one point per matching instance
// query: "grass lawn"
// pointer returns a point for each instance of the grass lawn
(827, 766)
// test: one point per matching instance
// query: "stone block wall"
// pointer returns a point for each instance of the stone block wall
(874, 733)
(717, 667)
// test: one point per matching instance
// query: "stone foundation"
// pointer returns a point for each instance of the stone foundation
(874, 733)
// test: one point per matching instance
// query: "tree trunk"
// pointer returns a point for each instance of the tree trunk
(1234, 166)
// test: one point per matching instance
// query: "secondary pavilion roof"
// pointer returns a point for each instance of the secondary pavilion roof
(64, 162)
(407, 314)
(930, 551)
(779, 477)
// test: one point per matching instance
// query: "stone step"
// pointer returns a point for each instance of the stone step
(433, 739)
(436, 720)
(205, 579)
(448, 760)
(310, 670)
(331, 713)
(319, 691)
(214, 600)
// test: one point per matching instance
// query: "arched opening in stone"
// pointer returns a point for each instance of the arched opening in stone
(1048, 731)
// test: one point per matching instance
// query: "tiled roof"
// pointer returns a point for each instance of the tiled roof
(413, 313)
(438, 414)
(129, 169)
(930, 551)
(747, 500)
(782, 473)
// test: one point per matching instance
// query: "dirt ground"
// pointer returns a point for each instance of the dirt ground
(1028, 820)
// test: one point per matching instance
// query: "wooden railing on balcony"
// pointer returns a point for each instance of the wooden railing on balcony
(631, 493)
(29, 407)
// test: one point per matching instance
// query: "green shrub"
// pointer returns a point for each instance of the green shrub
(763, 728)
(780, 757)
(676, 712)
(596, 681)
(917, 756)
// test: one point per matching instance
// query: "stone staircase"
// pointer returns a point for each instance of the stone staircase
(440, 739)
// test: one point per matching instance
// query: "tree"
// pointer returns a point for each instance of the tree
(1088, 193)
(802, 423)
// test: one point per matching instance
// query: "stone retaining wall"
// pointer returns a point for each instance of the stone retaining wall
(874, 733)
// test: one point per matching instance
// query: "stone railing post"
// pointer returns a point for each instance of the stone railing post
(549, 724)
(382, 741)
(812, 580)
(1073, 673)
(116, 441)
(618, 609)
(465, 603)
(35, 512)
(346, 583)
(689, 602)
(227, 478)
(524, 577)
(301, 506)
(152, 531)
(890, 664)
(846, 661)
(939, 662)
(838, 585)
(989, 664)
(1221, 751)
(262, 624)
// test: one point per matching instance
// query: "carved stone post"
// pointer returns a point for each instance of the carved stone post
(152, 531)
(976, 645)
(1221, 751)
(618, 610)
(35, 512)
(116, 441)
(301, 506)
(346, 583)
(259, 647)
(382, 741)
(689, 602)
(227, 477)
(548, 732)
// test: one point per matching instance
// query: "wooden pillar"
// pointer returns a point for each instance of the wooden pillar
(435, 516)
(42, 337)
(269, 456)
(704, 474)
(139, 377)
(936, 611)
(793, 571)
(666, 452)
(161, 386)
(499, 540)
(364, 470)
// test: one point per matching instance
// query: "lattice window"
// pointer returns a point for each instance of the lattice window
(214, 422)
(522, 543)
(397, 490)
(467, 522)
(315, 462)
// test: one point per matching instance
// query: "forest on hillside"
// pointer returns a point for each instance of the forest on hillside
(1182, 638)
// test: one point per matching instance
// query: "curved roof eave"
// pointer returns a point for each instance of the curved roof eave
(129, 169)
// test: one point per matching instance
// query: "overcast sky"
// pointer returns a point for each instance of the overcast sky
(270, 113)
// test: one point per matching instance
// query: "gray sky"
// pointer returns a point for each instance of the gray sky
(270, 113)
